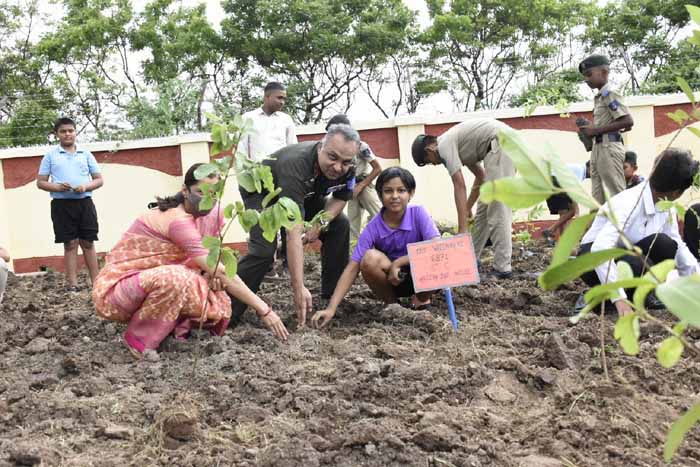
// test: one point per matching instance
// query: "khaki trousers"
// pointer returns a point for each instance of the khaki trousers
(607, 173)
(494, 220)
(367, 200)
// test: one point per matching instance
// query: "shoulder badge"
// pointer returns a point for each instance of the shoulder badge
(614, 104)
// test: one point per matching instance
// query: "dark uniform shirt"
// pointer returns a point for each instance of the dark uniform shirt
(295, 170)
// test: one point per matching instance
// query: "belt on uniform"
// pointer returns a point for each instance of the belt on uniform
(612, 137)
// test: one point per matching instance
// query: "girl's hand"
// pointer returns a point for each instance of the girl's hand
(324, 316)
(215, 284)
(275, 324)
(393, 274)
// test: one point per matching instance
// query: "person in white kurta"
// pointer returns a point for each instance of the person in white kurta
(273, 129)
(655, 232)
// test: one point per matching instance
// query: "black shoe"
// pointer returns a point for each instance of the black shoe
(652, 302)
(580, 303)
(501, 275)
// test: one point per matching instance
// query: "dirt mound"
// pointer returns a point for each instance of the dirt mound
(385, 386)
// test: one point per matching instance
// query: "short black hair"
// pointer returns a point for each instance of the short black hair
(396, 172)
(338, 119)
(273, 86)
(631, 158)
(63, 121)
(418, 148)
(674, 170)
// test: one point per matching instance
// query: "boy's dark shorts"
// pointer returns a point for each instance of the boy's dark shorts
(405, 288)
(74, 219)
(559, 202)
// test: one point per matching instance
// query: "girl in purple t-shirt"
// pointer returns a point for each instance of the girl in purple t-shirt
(381, 253)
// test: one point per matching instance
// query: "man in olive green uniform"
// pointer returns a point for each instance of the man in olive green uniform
(610, 117)
(468, 144)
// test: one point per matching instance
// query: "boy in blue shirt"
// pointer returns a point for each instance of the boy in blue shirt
(74, 175)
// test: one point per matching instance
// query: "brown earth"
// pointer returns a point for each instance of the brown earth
(516, 386)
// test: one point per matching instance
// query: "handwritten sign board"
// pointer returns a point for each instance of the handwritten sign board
(443, 262)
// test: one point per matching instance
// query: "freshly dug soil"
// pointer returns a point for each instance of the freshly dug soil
(517, 385)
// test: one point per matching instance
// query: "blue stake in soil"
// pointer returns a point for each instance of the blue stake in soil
(451, 307)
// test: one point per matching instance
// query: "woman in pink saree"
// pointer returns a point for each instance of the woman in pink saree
(156, 276)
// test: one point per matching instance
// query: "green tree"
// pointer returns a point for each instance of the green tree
(640, 36)
(89, 50)
(557, 89)
(683, 60)
(182, 44)
(320, 49)
(486, 45)
(399, 85)
(27, 103)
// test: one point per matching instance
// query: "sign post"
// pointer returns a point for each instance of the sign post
(442, 263)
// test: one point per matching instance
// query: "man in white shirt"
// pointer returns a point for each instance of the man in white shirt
(654, 232)
(273, 129)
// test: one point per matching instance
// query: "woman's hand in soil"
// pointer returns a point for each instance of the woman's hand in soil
(393, 274)
(623, 308)
(215, 283)
(303, 304)
(275, 324)
(324, 316)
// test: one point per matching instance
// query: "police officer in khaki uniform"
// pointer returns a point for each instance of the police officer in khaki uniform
(610, 117)
(470, 144)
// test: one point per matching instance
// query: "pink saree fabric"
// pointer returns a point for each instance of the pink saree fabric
(151, 282)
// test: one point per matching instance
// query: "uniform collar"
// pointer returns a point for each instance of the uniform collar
(77, 150)
(648, 199)
(405, 223)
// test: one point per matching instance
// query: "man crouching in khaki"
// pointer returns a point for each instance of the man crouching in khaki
(469, 144)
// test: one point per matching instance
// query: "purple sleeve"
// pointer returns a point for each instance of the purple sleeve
(364, 243)
(425, 224)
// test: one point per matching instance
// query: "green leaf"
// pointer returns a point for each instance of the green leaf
(624, 271)
(213, 257)
(530, 165)
(230, 261)
(679, 429)
(679, 328)
(207, 202)
(668, 205)
(210, 242)
(228, 211)
(205, 170)
(685, 87)
(267, 178)
(695, 38)
(248, 219)
(627, 333)
(669, 351)
(515, 192)
(270, 196)
(570, 270)
(267, 224)
(216, 148)
(694, 13)
(682, 298)
(680, 116)
(609, 291)
(570, 238)
(292, 212)
(693, 130)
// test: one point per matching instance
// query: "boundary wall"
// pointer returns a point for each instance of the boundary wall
(136, 171)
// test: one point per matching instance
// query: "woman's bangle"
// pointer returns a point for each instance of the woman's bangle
(269, 310)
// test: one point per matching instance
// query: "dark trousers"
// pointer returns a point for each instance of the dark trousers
(253, 266)
(691, 232)
(656, 248)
